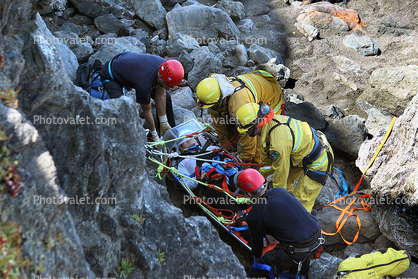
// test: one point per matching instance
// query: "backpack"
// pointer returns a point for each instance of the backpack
(88, 78)
(375, 265)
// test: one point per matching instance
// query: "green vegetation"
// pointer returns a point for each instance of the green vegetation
(139, 219)
(12, 262)
(160, 256)
(8, 97)
(126, 267)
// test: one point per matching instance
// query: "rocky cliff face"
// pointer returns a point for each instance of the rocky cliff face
(96, 163)
(90, 153)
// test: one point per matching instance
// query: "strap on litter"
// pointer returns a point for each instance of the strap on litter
(265, 267)
(340, 221)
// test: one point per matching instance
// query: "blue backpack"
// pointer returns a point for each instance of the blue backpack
(96, 89)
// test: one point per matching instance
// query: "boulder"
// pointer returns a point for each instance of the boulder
(357, 249)
(306, 112)
(377, 120)
(187, 61)
(71, 27)
(110, 24)
(241, 53)
(393, 179)
(382, 242)
(363, 45)
(107, 51)
(49, 43)
(391, 89)
(262, 55)
(182, 115)
(92, 8)
(245, 25)
(183, 97)
(346, 135)
(309, 31)
(151, 11)
(205, 24)
(179, 42)
(328, 216)
(234, 9)
(205, 63)
(325, 267)
(79, 46)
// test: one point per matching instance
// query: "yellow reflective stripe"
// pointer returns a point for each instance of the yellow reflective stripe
(274, 186)
(279, 105)
(251, 87)
(266, 169)
(320, 162)
(299, 137)
(262, 73)
(213, 111)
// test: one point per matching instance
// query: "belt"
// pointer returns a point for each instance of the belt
(110, 64)
(304, 247)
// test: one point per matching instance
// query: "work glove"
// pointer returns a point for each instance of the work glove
(154, 136)
(164, 127)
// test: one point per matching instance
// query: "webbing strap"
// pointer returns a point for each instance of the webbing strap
(339, 224)
(265, 267)
(278, 123)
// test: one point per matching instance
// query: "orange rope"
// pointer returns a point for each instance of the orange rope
(365, 206)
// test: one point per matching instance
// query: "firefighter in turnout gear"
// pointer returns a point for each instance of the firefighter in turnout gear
(292, 148)
(224, 96)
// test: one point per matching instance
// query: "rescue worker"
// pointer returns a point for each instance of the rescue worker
(292, 148)
(151, 76)
(224, 96)
(277, 216)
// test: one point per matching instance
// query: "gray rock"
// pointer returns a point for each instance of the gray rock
(391, 89)
(104, 39)
(234, 9)
(59, 5)
(245, 25)
(398, 224)
(346, 135)
(107, 51)
(124, 11)
(241, 53)
(411, 272)
(92, 8)
(309, 31)
(82, 19)
(260, 9)
(142, 36)
(183, 97)
(179, 42)
(214, 48)
(71, 27)
(205, 24)
(262, 55)
(187, 61)
(110, 24)
(79, 46)
(182, 115)
(356, 249)
(325, 267)
(151, 11)
(69, 12)
(240, 70)
(48, 43)
(346, 65)
(205, 63)
(327, 194)
(328, 216)
(377, 120)
(382, 242)
(362, 45)
(306, 112)
(334, 112)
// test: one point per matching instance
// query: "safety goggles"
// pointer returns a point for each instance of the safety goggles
(201, 104)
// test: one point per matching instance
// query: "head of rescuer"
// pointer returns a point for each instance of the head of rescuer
(277, 216)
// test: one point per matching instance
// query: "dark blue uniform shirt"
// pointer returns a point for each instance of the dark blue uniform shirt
(285, 219)
(138, 71)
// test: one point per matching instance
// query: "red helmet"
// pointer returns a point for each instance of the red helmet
(172, 72)
(250, 181)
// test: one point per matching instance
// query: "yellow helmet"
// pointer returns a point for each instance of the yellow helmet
(253, 116)
(208, 93)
